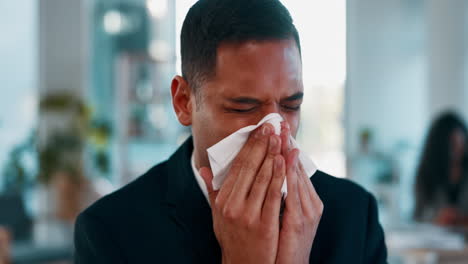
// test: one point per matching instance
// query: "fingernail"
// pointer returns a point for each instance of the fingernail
(258, 133)
(266, 130)
(273, 143)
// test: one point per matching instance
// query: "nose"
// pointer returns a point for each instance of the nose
(271, 108)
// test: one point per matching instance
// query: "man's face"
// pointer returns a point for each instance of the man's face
(252, 80)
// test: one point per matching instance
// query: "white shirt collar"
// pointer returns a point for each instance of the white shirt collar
(199, 178)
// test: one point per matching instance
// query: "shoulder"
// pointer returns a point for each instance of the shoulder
(147, 188)
(107, 228)
(350, 213)
(332, 185)
(340, 194)
(350, 216)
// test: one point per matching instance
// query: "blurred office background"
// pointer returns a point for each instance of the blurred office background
(85, 107)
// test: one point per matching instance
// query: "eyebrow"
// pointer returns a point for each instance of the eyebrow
(244, 100)
(250, 100)
(294, 97)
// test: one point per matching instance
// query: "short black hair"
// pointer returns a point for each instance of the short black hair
(210, 23)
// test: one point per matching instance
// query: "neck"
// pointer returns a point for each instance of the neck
(200, 160)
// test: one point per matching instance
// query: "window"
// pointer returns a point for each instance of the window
(322, 29)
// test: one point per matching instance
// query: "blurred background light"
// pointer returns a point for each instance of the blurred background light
(113, 22)
(159, 50)
(157, 8)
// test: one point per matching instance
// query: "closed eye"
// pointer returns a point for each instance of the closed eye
(237, 110)
(292, 108)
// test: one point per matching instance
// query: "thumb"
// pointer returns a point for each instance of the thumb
(207, 176)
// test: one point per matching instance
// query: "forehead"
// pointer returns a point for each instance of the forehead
(255, 65)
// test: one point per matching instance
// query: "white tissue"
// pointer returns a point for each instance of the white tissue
(222, 154)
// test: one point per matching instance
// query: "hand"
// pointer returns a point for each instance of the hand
(302, 212)
(246, 208)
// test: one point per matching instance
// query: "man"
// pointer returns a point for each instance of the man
(240, 61)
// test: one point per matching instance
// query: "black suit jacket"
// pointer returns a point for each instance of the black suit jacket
(163, 217)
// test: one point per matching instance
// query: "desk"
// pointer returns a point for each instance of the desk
(29, 253)
(429, 256)
(426, 244)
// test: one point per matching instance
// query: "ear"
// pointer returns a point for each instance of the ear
(181, 100)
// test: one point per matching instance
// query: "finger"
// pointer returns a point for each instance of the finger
(307, 203)
(293, 202)
(236, 167)
(285, 132)
(304, 179)
(272, 204)
(310, 187)
(257, 195)
(207, 176)
(250, 167)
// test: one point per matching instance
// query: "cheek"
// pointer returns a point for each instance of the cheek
(229, 124)
(212, 125)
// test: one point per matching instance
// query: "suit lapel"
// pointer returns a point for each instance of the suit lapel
(190, 208)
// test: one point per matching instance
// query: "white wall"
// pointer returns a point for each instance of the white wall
(406, 62)
(63, 45)
(385, 88)
(18, 82)
(447, 34)
(63, 56)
